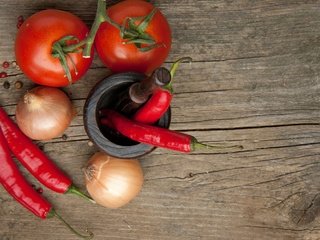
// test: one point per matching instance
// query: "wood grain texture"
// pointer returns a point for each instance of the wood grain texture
(254, 81)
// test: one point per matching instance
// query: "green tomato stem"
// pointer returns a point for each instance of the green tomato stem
(100, 17)
(134, 34)
(57, 49)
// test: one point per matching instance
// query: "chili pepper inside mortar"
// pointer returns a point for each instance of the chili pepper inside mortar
(138, 93)
(160, 100)
(156, 136)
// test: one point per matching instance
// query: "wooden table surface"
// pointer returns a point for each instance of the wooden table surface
(254, 81)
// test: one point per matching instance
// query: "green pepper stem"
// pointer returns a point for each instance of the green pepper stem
(75, 190)
(196, 145)
(173, 70)
(53, 213)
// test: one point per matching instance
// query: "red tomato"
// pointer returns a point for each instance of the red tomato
(33, 47)
(127, 57)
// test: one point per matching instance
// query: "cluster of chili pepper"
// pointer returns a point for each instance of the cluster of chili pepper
(12, 140)
(141, 129)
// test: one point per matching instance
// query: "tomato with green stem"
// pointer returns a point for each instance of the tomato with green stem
(41, 48)
(135, 37)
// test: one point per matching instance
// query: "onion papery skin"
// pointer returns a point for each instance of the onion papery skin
(44, 113)
(113, 182)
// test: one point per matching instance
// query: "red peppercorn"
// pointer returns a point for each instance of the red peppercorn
(3, 75)
(20, 21)
(5, 64)
(19, 24)
(20, 18)
(40, 190)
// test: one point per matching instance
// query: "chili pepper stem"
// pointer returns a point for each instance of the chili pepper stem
(173, 70)
(53, 213)
(75, 190)
(196, 145)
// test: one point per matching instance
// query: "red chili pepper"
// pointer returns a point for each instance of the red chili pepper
(154, 108)
(156, 136)
(33, 159)
(16, 185)
(160, 100)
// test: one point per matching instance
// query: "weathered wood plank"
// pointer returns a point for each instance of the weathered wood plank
(205, 30)
(254, 189)
(254, 81)
(235, 94)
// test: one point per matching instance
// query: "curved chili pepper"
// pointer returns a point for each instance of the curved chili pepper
(159, 101)
(33, 159)
(154, 108)
(139, 92)
(16, 185)
(156, 136)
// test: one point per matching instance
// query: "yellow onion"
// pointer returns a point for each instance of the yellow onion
(113, 182)
(44, 113)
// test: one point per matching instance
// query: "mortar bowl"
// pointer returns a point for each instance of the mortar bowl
(105, 95)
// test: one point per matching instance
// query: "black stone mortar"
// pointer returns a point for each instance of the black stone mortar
(105, 95)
